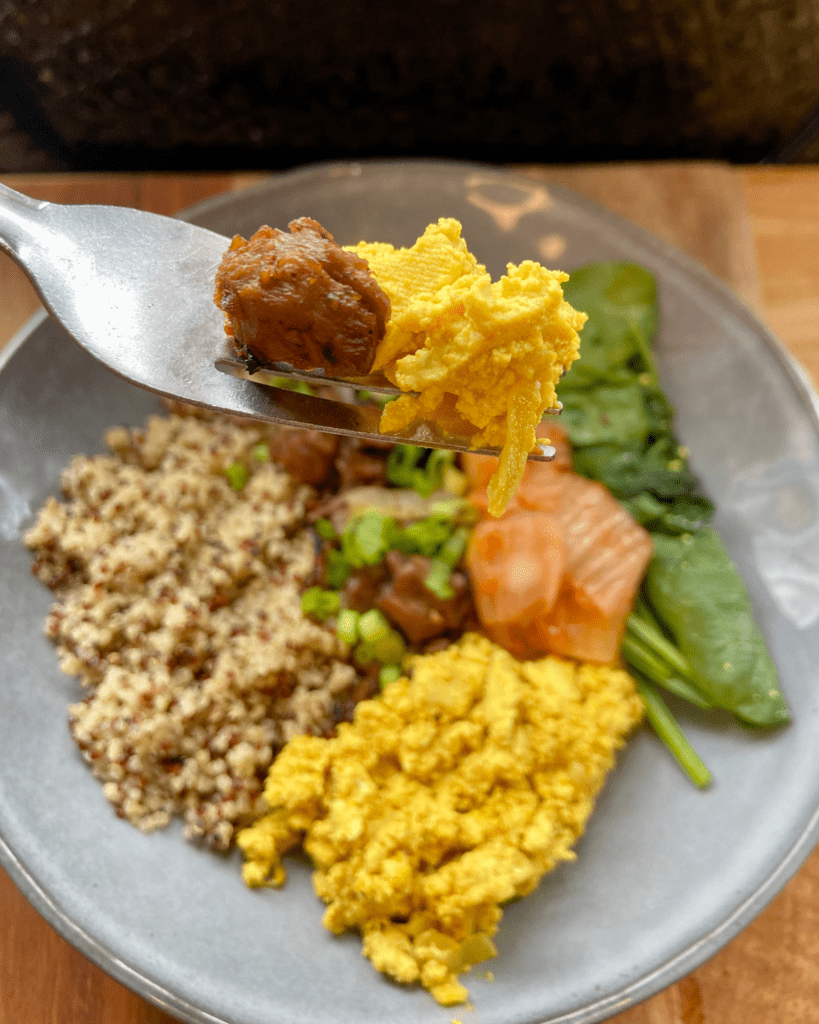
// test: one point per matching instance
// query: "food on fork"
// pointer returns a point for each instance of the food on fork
(301, 299)
(481, 357)
(477, 359)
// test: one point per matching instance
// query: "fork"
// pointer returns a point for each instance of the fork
(135, 290)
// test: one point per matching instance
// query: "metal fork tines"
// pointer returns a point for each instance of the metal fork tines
(275, 372)
(335, 416)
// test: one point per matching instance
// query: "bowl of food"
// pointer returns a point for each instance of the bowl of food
(222, 599)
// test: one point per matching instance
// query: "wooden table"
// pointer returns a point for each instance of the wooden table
(758, 229)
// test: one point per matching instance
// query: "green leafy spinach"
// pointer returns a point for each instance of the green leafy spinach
(697, 592)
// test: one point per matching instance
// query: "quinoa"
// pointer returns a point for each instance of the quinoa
(179, 609)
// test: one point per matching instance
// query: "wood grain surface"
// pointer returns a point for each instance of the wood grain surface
(758, 230)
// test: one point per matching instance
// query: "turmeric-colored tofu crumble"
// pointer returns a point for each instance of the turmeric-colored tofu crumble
(482, 357)
(452, 794)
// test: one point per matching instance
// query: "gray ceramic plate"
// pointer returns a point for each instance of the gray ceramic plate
(666, 875)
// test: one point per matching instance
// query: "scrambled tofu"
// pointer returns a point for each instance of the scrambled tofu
(452, 794)
(483, 357)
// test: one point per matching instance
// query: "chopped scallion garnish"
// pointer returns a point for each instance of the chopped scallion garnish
(347, 626)
(403, 468)
(401, 464)
(337, 569)
(437, 579)
(238, 475)
(373, 626)
(389, 649)
(425, 536)
(368, 538)
(440, 459)
(453, 548)
(320, 603)
(364, 655)
(388, 674)
(326, 530)
(289, 384)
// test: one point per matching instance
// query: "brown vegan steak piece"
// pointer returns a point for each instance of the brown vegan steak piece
(411, 605)
(299, 298)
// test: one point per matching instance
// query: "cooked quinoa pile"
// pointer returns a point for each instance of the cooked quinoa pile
(178, 607)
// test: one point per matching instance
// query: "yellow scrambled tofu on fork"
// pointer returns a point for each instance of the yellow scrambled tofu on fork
(452, 794)
(483, 357)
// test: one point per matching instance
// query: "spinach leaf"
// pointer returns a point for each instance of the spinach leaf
(606, 356)
(629, 469)
(688, 512)
(618, 419)
(606, 413)
(621, 301)
(696, 590)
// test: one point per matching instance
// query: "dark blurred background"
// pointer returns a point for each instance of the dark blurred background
(108, 85)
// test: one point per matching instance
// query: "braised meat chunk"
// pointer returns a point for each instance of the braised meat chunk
(307, 455)
(299, 298)
(413, 607)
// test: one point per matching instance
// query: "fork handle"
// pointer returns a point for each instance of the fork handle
(17, 221)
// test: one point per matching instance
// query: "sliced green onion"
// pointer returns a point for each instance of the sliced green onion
(326, 530)
(364, 655)
(310, 599)
(289, 384)
(375, 396)
(667, 728)
(424, 536)
(331, 603)
(373, 626)
(459, 510)
(347, 626)
(238, 475)
(440, 459)
(453, 548)
(320, 603)
(337, 569)
(403, 468)
(389, 649)
(437, 579)
(422, 483)
(261, 452)
(368, 538)
(388, 674)
(379, 641)
(401, 464)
